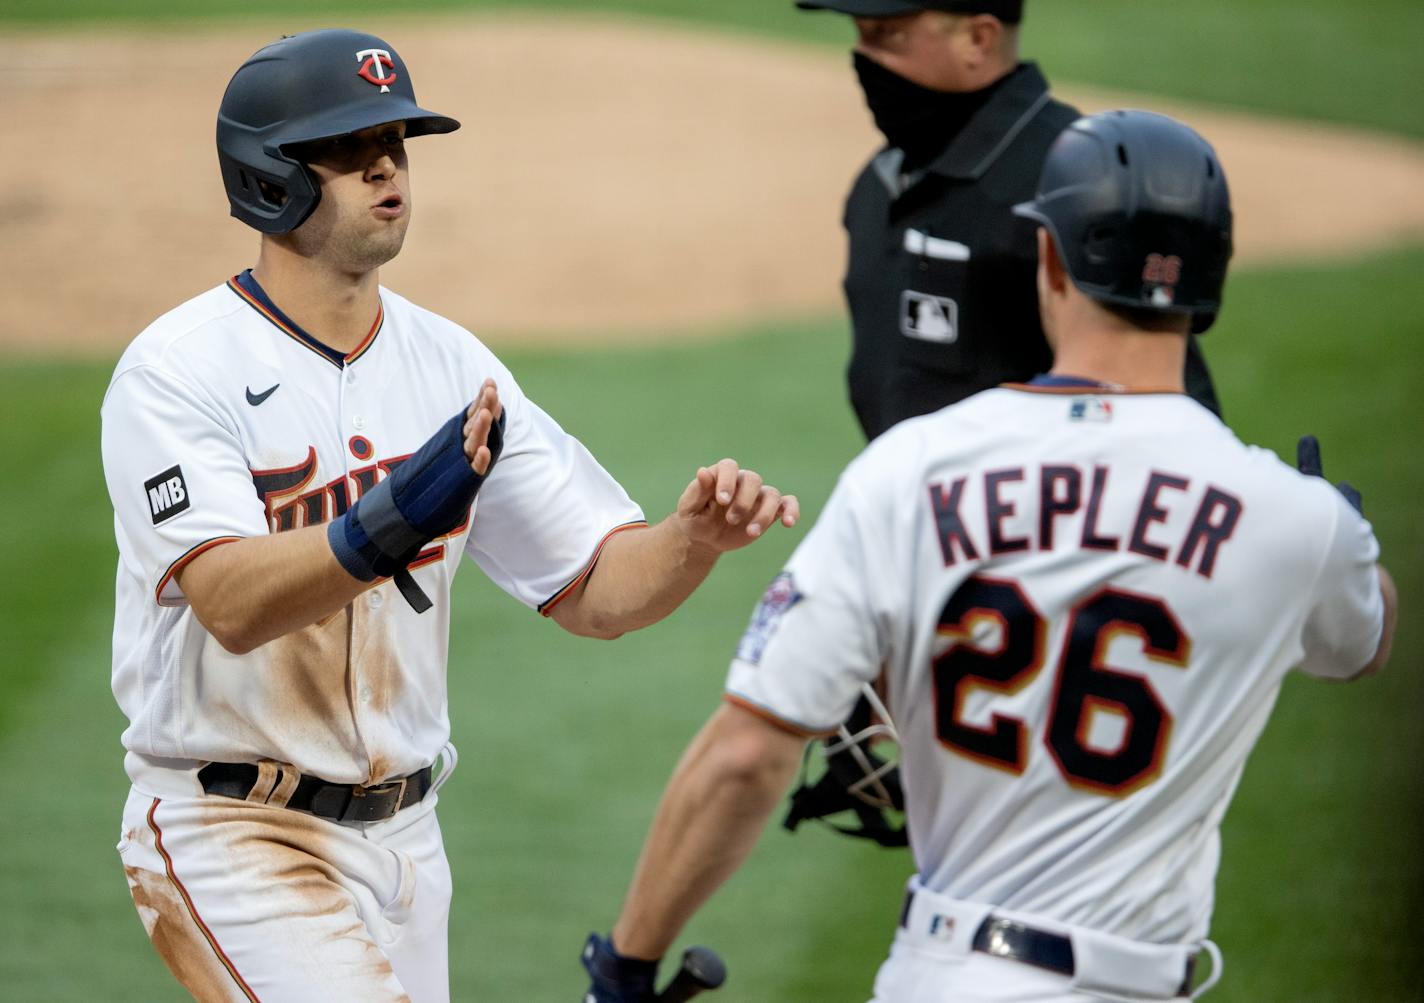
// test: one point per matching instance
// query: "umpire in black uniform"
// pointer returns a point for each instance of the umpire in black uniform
(941, 278)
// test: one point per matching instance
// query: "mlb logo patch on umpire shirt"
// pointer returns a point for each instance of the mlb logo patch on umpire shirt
(929, 318)
(167, 494)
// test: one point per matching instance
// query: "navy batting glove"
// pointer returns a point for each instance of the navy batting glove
(1307, 461)
(614, 978)
(427, 495)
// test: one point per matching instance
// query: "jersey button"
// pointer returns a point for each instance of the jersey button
(359, 422)
(365, 694)
(350, 376)
(374, 600)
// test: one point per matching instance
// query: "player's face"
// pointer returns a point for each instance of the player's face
(930, 48)
(365, 206)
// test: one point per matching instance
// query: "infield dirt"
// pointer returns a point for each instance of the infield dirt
(613, 180)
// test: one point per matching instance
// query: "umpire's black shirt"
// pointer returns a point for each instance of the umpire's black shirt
(941, 280)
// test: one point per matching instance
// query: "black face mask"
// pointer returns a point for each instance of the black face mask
(915, 119)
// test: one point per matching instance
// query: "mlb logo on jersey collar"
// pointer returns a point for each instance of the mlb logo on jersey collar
(1094, 409)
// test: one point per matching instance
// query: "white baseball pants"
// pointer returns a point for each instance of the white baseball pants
(249, 902)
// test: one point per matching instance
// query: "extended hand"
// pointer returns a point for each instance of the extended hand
(427, 496)
(726, 507)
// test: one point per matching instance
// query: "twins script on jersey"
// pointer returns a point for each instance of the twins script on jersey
(226, 420)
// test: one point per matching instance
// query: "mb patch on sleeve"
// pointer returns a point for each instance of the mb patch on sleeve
(779, 597)
(167, 494)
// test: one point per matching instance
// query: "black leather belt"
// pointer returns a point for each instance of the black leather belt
(338, 802)
(1006, 938)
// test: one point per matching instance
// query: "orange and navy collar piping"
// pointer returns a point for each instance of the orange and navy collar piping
(1054, 383)
(247, 289)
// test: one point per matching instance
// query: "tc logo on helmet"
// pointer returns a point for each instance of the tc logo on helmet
(375, 62)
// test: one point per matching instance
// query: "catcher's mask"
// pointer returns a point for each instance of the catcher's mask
(1138, 207)
(315, 85)
(856, 777)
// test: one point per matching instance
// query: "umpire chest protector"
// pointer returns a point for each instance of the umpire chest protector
(941, 274)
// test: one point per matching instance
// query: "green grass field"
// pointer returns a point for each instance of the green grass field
(566, 743)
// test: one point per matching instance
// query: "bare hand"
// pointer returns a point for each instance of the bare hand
(482, 413)
(726, 507)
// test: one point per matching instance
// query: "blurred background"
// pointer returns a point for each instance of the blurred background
(642, 216)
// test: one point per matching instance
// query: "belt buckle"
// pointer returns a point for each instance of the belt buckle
(360, 810)
(400, 791)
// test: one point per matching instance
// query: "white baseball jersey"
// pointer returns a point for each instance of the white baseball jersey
(225, 420)
(1085, 606)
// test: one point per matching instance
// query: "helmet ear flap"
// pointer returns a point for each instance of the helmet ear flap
(274, 198)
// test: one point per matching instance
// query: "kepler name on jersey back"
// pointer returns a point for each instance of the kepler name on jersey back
(1062, 505)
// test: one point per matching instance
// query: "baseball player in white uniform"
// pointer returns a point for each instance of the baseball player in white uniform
(1080, 597)
(294, 459)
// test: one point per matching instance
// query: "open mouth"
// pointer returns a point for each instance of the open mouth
(391, 205)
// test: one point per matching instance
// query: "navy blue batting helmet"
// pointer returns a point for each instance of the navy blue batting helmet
(1138, 208)
(305, 87)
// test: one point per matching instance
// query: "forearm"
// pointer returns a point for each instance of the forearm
(716, 805)
(1390, 597)
(254, 590)
(642, 575)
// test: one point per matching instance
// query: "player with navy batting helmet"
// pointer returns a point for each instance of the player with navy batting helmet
(298, 460)
(1084, 593)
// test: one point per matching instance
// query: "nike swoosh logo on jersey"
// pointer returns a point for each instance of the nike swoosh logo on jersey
(255, 399)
